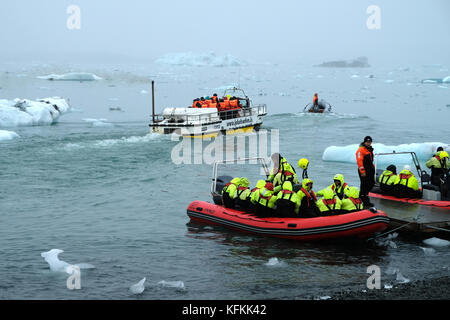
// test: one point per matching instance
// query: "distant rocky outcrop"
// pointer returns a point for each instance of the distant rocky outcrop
(360, 62)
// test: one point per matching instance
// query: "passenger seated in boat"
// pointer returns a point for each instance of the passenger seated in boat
(351, 201)
(387, 179)
(283, 176)
(330, 204)
(406, 184)
(229, 193)
(439, 164)
(196, 103)
(288, 202)
(242, 200)
(265, 201)
(308, 199)
(337, 187)
(254, 195)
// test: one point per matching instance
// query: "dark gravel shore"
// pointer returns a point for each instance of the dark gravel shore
(430, 289)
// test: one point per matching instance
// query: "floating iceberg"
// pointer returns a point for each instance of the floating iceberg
(73, 76)
(428, 251)
(400, 278)
(192, 59)
(436, 80)
(360, 62)
(51, 257)
(436, 242)
(23, 112)
(424, 151)
(99, 122)
(7, 135)
(138, 288)
(273, 262)
(172, 284)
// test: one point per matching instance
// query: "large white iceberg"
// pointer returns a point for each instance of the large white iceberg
(192, 59)
(424, 151)
(72, 76)
(24, 112)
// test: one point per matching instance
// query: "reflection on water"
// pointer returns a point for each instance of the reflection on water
(335, 252)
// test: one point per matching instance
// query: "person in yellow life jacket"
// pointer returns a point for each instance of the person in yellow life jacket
(330, 204)
(387, 179)
(439, 165)
(337, 187)
(254, 194)
(406, 184)
(351, 201)
(229, 193)
(308, 199)
(284, 176)
(280, 165)
(288, 202)
(303, 164)
(265, 201)
(242, 200)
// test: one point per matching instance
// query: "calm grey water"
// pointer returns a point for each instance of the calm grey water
(109, 194)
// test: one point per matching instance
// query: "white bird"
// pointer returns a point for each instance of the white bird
(138, 288)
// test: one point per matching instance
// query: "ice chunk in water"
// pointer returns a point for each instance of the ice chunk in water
(139, 287)
(8, 135)
(436, 242)
(73, 76)
(172, 284)
(400, 278)
(273, 262)
(51, 257)
(428, 251)
(392, 270)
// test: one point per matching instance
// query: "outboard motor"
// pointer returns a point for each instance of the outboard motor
(221, 181)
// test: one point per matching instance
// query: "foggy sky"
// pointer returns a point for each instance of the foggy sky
(412, 32)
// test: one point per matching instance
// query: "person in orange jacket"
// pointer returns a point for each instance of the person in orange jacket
(366, 169)
(316, 99)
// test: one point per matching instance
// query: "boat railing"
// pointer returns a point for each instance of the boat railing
(208, 117)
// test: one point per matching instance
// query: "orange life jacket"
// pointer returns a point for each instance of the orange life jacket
(234, 104)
